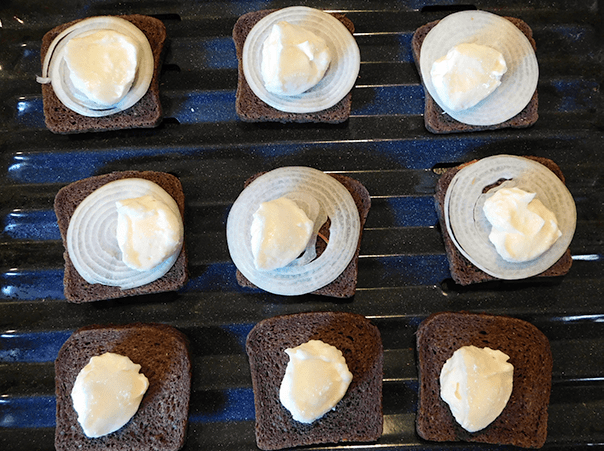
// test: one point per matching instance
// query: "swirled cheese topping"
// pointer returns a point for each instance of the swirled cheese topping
(315, 380)
(467, 74)
(280, 231)
(107, 393)
(102, 65)
(522, 227)
(148, 232)
(293, 59)
(476, 384)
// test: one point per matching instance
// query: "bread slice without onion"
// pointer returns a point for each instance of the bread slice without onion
(251, 109)
(523, 421)
(345, 285)
(146, 113)
(437, 121)
(356, 418)
(161, 420)
(462, 270)
(68, 198)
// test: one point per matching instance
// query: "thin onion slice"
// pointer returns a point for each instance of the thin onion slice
(339, 78)
(469, 228)
(91, 239)
(55, 69)
(334, 199)
(518, 84)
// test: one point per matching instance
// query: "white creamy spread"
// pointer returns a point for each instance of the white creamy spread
(102, 65)
(315, 380)
(293, 59)
(148, 232)
(467, 74)
(522, 227)
(280, 232)
(107, 393)
(476, 384)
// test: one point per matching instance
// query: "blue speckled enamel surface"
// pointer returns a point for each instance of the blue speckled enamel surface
(403, 270)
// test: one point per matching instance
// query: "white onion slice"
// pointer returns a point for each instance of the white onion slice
(339, 78)
(469, 228)
(91, 239)
(296, 183)
(55, 69)
(518, 84)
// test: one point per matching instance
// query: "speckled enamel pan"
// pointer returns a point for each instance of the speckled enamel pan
(469, 228)
(339, 78)
(518, 84)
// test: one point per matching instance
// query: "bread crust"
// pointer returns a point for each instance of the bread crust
(344, 286)
(161, 419)
(357, 417)
(523, 421)
(251, 109)
(462, 270)
(68, 198)
(146, 113)
(439, 122)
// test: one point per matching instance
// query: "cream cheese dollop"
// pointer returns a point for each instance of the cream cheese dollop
(148, 232)
(294, 59)
(107, 393)
(280, 232)
(522, 227)
(102, 65)
(316, 379)
(467, 74)
(476, 383)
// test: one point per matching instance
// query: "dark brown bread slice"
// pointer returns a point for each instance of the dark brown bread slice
(251, 109)
(356, 418)
(146, 113)
(67, 200)
(523, 422)
(462, 270)
(345, 285)
(161, 420)
(437, 121)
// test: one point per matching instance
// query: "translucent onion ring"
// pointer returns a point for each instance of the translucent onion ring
(518, 84)
(339, 206)
(91, 241)
(55, 70)
(469, 228)
(339, 78)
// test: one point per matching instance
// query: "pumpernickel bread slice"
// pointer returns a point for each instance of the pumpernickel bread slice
(251, 109)
(462, 270)
(523, 421)
(358, 415)
(68, 198)
(146, 113)
(161, 420)
(345, 285)
(437, 121)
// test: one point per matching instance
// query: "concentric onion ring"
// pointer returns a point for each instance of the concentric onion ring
(339, 78)
(55, 69)
(469, 228)
(518, 84)
(92, 243)
(334, 199)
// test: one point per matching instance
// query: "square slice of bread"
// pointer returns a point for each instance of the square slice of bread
(356, 418)
(251, 109)
(68, 198)
(437, 121)
(146, 113)
(462, 270)
(523, 421)
(345, 285)
(161, 420)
